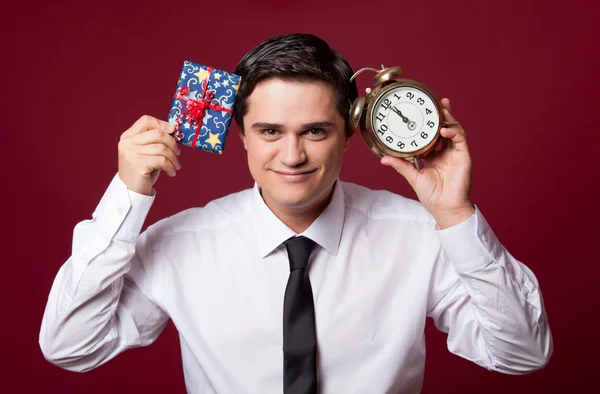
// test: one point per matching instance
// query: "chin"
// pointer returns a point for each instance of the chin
(293, 199)
(293, 194)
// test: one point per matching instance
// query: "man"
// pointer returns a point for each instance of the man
(304, 282)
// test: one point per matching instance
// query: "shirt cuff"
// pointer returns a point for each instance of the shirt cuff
(121, 212)
(470, 244)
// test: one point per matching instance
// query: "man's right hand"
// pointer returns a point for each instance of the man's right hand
(145, 149)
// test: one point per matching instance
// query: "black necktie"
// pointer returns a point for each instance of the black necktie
(299, 337)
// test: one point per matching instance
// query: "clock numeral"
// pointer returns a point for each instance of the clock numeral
(431, 123)
(410, 95)
(428, 111)
(424, 135)
(397, 97)
(420, 101)
(389, 139)
(386, 104)
(380, 117)
(382, 129)
(414, 143)
(401, 145)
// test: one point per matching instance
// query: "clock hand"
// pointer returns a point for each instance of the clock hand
(411, 124)
(404, 118)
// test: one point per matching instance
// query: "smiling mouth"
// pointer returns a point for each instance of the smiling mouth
(295, 172)
(294, 176)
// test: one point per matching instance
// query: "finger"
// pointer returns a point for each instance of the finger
(147, 122)
(448, 115)
(432, 156)
(446, 104)
(442, 144)
(446, 143)
(404, 168)
(456, 138)
(160, 162)
(156, 136)
(447, 112)
(455, 133)
(159, 150)
(441, 150)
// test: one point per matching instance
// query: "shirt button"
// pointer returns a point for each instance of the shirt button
(85, 258)
(484, 238)
(120, 211)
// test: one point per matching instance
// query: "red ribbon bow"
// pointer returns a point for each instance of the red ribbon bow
(194, 109)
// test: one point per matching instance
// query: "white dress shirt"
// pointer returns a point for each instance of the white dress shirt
(380, 268)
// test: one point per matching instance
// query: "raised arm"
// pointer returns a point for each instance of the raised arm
(101, 301)
(488, 302)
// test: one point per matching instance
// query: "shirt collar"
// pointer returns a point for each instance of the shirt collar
(326, 230)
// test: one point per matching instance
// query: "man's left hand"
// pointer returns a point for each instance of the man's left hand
(444, 184)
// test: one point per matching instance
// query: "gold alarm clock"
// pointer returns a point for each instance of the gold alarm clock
(399, 117)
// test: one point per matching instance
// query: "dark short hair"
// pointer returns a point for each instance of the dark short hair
(302, 57)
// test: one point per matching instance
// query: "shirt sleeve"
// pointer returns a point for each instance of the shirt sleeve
(101, 301)
(489, 303)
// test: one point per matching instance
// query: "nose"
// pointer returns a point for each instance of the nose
(291, 151)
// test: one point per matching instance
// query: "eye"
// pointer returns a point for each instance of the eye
(269, 133)
(317, 133)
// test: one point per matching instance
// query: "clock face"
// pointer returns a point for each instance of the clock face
(405, 119)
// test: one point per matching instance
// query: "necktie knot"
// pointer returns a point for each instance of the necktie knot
(299, 250)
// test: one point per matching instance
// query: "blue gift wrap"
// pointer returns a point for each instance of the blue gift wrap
(203, 105)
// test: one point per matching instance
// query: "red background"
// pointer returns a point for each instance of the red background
(522, 77)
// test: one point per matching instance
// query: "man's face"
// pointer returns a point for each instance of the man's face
(295, 140)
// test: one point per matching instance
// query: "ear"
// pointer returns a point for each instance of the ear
(349, 136)
(243, 138)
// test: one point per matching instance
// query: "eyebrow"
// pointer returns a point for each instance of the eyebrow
(278, 126)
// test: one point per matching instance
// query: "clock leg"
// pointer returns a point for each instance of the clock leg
(416, 162)
(448, 123)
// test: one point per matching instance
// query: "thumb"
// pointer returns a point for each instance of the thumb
(403, 166)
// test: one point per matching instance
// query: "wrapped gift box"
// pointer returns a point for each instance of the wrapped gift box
(202, 106)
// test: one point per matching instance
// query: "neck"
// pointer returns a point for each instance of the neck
(300, 218)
